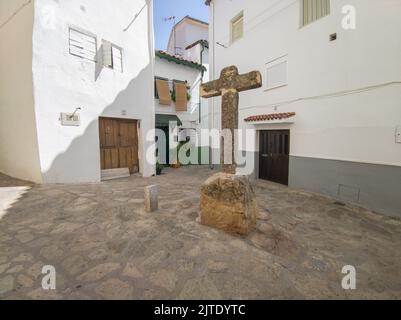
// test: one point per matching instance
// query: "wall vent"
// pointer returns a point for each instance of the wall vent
(349, 193)
(398, 135)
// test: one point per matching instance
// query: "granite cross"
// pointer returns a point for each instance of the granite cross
(228, 87)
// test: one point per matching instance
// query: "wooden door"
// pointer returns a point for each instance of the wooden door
(274, 155)
(119, 144)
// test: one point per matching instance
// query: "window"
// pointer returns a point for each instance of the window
(112, 56)
(82, 44)
(163, 91)
(181, 96)
(313, 10)
(237, 27)
(277, 73)
(156, 85)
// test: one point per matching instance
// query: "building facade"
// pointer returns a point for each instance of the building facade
(76, 88)
(328, 118)
(179, 73)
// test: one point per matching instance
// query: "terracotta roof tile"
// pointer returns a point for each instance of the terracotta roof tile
(178, 59)
(271, 117)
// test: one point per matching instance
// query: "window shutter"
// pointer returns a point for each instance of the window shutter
(107, 55)
(237, 28)
(314, 10)
(163, 91)
(326, 8)
(277, 75)
(82, 45)
(117, 59)
(181, 97)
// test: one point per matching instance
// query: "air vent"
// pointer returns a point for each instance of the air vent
(398, 135)
(333, 37)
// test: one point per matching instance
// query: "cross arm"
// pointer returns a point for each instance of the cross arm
(210, 89)
(248, 81)
(231, 80)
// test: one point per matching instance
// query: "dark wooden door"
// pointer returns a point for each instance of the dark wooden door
(119, 144)
(274, 155)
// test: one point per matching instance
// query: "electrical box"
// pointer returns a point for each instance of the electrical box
(398, 135)
(70, 119)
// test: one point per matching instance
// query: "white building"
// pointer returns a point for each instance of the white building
(59, 56)
(179, 72)
(328, 118)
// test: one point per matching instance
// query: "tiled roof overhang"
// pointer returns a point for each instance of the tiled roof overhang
(204, 43)
(177, 59)
(271, 117)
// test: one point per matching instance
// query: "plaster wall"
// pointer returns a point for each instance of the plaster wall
(360, 72)
(63, 82)
(19, 155)
(346, 93)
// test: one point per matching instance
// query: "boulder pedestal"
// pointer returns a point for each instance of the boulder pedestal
(228, 203)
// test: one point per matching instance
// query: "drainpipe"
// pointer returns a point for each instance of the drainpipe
(212, 73)
(202, 75)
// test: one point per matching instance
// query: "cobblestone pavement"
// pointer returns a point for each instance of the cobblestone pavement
(104, 246)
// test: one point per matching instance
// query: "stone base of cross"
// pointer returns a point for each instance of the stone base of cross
(228, 202)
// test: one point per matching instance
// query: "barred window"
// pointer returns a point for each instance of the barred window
(237, 27)
(313, 10)
(82, 44)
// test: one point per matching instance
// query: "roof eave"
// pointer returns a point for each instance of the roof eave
(187, 63)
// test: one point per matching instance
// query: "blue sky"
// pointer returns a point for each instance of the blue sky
(178, 8)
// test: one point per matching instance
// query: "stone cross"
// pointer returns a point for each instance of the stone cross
(228, 87)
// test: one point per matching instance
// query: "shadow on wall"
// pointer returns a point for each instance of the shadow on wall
(80, 163)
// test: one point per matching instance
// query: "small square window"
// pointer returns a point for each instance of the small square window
(237, 27)
(277, 73)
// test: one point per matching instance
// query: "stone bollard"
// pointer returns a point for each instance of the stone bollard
(151, 199)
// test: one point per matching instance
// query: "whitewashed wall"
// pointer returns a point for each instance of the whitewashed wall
(174, 71)
(18, 144)
(187, 33)
(357, 127)
(64, 82)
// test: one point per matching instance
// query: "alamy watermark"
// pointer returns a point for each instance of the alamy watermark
(349, 280)
(49, 280)
(349, 19)
(234, 146)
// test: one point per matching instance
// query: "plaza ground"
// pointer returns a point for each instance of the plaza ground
(105, 246)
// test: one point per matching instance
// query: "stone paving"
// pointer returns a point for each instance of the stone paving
(105, 246)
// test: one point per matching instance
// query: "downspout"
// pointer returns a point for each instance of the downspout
(212, 73)
(202, 75)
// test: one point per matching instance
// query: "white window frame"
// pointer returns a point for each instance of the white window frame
(112, 45)
(273, 63)
(122, 56)
(86, 33)
(238, 17)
